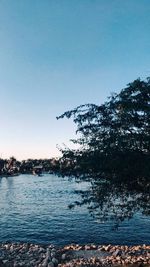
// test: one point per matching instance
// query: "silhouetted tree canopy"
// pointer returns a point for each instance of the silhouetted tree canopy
(113, 152)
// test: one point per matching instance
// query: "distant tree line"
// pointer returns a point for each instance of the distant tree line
(12, 166)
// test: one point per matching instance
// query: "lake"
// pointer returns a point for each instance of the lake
(35, 209)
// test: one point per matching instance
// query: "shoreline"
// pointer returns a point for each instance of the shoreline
(74, 255)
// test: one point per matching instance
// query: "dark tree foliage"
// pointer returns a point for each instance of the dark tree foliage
(113, 153)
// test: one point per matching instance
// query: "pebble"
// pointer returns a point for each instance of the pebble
(55, 261)
(53, 254)
(48, 254)
(117, 252)
(63, 257)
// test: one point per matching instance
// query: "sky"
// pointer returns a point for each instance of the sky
(58, 54)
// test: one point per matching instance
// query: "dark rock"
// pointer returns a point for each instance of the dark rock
(117, 253)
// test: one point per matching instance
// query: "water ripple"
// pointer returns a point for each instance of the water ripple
(35, 209)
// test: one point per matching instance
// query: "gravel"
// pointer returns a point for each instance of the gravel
(74, 255)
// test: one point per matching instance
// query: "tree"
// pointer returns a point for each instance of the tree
(114, 152)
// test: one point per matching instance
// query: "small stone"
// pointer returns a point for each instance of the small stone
(45, 262)
(53, 249)
(22, 264)
(93, 246)
(48, 254)
(5, 261)
(117, 253)
(107, 248)
(51, 264)
(7, 246)
(33, 261)
(37, 262)
(41, 250)
(55, 261)
(11, 248)
(53, 254)
(63, 256)
(87, 247)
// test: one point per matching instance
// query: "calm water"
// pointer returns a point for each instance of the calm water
(35, 209)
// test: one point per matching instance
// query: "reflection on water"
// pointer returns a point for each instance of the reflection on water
(35, 209)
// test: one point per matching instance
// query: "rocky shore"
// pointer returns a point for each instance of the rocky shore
(32, 255)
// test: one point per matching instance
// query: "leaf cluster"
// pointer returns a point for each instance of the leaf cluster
(114, 149)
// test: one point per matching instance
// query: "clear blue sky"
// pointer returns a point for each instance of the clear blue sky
(57, 54)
